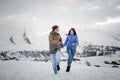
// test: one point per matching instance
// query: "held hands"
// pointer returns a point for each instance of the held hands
(73, 44)
(60, 43)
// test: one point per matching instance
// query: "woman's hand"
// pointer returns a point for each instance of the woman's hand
(73, 44)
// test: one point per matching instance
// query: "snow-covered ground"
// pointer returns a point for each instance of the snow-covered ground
(33, 70)
(100, 60)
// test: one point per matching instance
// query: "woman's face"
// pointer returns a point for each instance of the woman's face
(71, 32)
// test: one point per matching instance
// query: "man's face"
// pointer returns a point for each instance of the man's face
(57, 30)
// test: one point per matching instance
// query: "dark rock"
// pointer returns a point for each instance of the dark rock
(97, 66)
(5, 59)
(36, 60)
(12, 40)
(115, 66)
(63, 60)
(88, 63)
(14, 58)
(100, 54)
(44, 60)
(115, 63)
(106, 62)
(76, 59)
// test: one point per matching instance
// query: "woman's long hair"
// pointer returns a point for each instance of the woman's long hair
(73, 31)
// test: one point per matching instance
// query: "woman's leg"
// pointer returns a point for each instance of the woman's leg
(53, 60)
(69, 57)
(73, 53)
(69, 60)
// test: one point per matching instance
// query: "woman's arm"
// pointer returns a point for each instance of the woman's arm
(61, 43)
(66, 41)
(77, 41)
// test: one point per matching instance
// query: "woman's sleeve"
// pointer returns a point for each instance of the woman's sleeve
(66, 41)
(77, 41)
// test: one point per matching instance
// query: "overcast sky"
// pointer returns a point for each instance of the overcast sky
(41, 15)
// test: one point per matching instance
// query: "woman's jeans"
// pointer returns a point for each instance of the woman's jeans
(71, 54)
(55, 59)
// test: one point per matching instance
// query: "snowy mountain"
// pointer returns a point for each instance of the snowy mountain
(98, 37)
(19, 38)
(16, 38)
(25, 55)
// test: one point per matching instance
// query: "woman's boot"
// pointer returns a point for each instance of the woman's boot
(68, 69)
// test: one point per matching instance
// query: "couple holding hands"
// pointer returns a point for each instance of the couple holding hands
(55, 44)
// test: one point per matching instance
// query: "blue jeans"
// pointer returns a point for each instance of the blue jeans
(71, 54)
(55, 59)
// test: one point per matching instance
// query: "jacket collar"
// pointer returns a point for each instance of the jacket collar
(54, 33)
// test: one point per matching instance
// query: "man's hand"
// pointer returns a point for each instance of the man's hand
(59, 43)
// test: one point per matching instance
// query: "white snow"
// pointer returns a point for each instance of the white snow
(31, 70)
(99, 61)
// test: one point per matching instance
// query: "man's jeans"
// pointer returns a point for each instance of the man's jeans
(71, 54)
(55, 59)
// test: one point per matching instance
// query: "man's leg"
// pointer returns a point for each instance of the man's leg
(58, 60)
(53, 60)
(58, 57)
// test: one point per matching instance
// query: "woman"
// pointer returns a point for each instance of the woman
(55, 43)
(71, 42)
